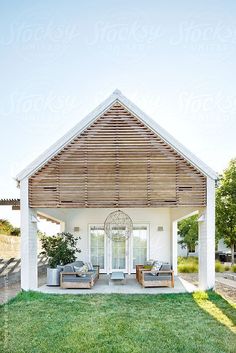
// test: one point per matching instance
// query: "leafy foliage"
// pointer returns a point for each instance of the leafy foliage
(219, 267)
(188, 232)
(226, 207)
(187, 264)
(60, 249)
(8, 229)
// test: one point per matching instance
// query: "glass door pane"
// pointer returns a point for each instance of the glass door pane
(119, 255)
(97, 246)
(140, 237)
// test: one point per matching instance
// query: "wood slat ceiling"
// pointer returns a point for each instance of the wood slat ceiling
(117, 162)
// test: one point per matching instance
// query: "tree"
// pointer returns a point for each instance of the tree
(226, 207)
(7, 228)
(60, 249)
(16, 231)
(188, 232)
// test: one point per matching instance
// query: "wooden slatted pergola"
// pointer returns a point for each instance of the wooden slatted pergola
(117, 162)
(15, 203)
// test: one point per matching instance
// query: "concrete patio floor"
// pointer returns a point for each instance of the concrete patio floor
(130, 287)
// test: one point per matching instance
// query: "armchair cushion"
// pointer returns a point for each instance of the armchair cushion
(69, 278)
(163, 277)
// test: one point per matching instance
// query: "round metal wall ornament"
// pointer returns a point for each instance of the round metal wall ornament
(118, 226)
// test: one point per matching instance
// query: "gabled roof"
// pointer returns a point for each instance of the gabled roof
(90, 118)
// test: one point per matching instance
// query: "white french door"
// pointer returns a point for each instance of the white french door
(140, 245)
(119, 255)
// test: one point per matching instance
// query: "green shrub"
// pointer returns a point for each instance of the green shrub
(219, 267)
(60, 249)
(187, 264)
(233, 268)
(227, 267)
(190, 259)
(188, 268)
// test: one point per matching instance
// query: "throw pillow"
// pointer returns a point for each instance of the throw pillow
(68, 268)
(89, 265)
(85, 268)
(156, 267)
(149, 263)
(81, 271)
(78, 269)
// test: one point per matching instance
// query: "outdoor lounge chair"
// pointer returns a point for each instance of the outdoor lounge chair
(69, 278)
(162, 278)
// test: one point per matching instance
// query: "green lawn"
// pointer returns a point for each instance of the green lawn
(34, 322)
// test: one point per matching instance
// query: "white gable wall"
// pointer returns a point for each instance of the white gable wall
(160, 242)
(159, 246)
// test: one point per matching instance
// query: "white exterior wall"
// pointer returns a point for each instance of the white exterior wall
(159, 245)
(162, 245)
(159, 242)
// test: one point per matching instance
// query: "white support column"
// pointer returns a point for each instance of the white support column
(207, 240)
(29, 270)
(174, 247)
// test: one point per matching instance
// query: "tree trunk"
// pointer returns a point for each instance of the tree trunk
(232, 254)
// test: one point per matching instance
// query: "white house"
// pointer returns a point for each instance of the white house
(119, 158)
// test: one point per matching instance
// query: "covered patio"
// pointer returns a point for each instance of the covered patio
(118, 158)
(131, 286)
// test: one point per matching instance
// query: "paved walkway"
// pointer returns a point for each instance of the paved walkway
(229, 282)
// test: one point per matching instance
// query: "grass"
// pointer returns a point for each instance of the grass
(186, 323)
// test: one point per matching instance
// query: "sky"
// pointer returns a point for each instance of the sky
(60, 59)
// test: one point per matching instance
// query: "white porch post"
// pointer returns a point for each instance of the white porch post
(29, 270)
(174, 247)
(207, 240)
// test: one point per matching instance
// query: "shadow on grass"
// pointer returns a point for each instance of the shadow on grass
(229, 309)
(217, 307)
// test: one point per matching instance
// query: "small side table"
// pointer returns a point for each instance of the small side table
(117, 277)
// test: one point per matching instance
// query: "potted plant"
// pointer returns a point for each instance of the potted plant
(60, 249)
